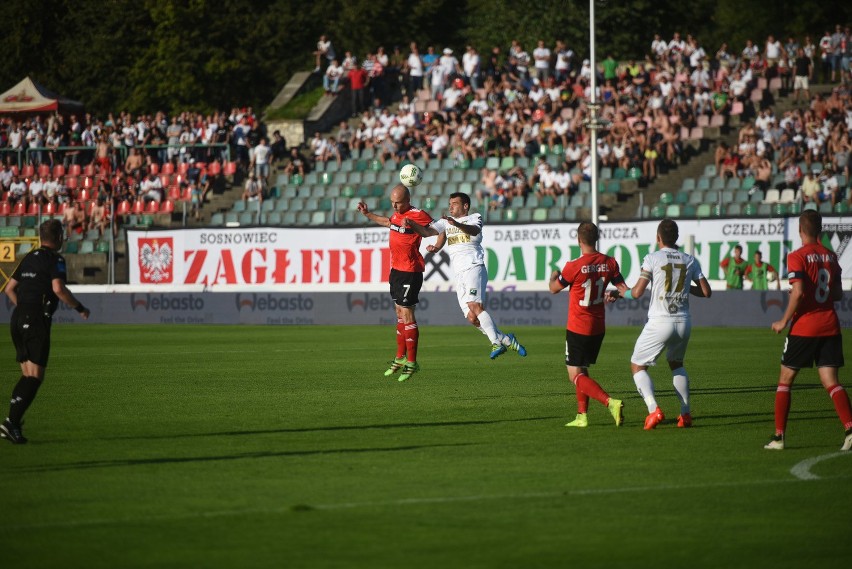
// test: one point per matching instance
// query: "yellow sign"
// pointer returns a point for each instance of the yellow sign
(7, 252)
(12, 250)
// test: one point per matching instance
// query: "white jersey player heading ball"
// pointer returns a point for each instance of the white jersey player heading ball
(461, 233)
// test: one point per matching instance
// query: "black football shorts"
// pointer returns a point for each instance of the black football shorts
(805, 351)
(31, 336)
(405, 287)
(582, 350)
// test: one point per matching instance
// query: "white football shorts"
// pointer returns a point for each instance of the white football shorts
(470, 287)
(673, 335)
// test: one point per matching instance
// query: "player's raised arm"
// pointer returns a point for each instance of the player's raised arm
(439, 243)
(377, 219)
(423, 231)
(464, 228)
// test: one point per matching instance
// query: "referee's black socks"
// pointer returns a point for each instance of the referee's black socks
(22, 396)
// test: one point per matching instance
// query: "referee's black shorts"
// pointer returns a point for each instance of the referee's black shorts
(31, 335)
(807, 351)
(405, 287)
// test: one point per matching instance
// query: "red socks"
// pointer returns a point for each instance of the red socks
(841, 404)
(782, 408)
(412, 334)
(400, 338)
(589, 388)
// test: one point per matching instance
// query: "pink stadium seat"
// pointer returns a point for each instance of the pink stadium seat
(737, 108)
(138, 207)
(214, 169)
(28, 171)
(123, 208)
(58, 171)
(74, 170)
(19, 209)
(168, 206)
(152, 207)
(697, 133)
(168, 168)
(5, 208)
(43, 170)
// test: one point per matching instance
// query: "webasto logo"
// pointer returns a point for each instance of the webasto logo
(522, 302)
(374, 302)
(166, 302)
(269, 302)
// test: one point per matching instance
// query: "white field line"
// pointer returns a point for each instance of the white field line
(802, 470)
(392, 503)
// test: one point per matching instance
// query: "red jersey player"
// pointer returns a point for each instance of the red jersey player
(588, 277)
(814, 335)
(406, 275)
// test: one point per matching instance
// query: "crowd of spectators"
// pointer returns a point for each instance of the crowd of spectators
(522, 103)
(47, 161)
(519, 103)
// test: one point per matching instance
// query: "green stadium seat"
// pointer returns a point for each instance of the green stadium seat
(539, 214)
(703, 183)
(673, 211)
(688, 210)
(688, 184)
(702, 211)
(658, 211)
(841, 207)
(619, 173)
(666, 198)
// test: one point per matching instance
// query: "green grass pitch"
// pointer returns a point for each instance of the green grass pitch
(185, 447)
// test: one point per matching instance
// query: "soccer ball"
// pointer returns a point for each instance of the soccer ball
(771, 276)
(410, 175)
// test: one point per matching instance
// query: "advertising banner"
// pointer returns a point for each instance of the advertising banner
(508, 308)
(518, 257)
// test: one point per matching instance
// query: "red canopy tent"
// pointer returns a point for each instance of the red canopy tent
(30, 97)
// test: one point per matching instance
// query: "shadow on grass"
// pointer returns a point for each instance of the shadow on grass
(243, 456)
(330, 428)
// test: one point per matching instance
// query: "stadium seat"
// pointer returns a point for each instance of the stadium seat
(217, 219)
(703, 211)
(688, 184)
(152, 207)
(666, 198)
(658, 211)
(123, 208)
(772, 196)
(673, 211)
(733, 209)
(787, 196)
(86, 247)
(539, 214)
(841, 207)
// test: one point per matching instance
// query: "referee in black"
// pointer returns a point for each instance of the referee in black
(35, 289)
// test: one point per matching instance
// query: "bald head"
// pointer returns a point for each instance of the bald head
(400, 198)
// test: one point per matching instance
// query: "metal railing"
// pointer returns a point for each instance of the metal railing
(220, 151)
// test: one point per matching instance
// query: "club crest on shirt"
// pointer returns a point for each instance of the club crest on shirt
(472, 292)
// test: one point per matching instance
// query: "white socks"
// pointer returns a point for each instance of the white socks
(681, 385)
(486, 325)
(645, 387)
